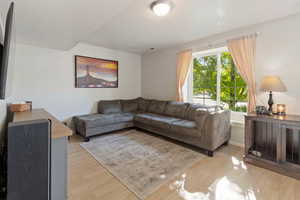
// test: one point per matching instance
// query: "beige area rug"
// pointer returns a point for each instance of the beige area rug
(142, 162)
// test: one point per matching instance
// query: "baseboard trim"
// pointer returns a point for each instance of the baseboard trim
(236, 143)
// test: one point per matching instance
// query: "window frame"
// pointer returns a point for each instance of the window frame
(238, 116)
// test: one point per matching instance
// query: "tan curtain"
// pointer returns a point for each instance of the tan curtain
(183, 63)
(243, 53)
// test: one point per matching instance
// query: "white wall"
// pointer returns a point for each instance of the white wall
(1, 30)
(46, 77)
(159, 75)
(277, 54)
(2, 119)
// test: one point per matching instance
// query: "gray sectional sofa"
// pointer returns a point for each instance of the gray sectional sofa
(195, 124)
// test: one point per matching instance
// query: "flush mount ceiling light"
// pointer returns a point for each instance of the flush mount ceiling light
(161, 7)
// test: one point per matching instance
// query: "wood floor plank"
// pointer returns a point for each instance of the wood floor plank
(223, 177)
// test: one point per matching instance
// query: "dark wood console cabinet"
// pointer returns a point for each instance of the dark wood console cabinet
(273, 142)
(37, 156)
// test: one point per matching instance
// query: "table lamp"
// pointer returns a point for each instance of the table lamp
(272, 84)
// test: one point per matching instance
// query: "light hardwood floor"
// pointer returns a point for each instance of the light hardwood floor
(223, 177)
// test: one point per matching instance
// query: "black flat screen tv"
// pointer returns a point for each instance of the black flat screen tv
(7, 50)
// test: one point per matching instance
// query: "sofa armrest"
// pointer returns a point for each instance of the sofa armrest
(79, 125)
(214, 127)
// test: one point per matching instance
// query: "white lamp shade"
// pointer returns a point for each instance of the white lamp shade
(272, 83)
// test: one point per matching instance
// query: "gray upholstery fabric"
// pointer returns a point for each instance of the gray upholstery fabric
(214, 127)
(182, 137)
(185, 127)
(193, 107)
(143, 104)
(185, 124)
(130, 105)
(157, 107)
(106, 119)
(155, 119)
(201, 118)
(191, 111)
(86, 124)
(108, 107)
(196, 124)
(176, 109)
(105, 129)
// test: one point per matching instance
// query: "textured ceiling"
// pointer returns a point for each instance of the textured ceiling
(130, 25)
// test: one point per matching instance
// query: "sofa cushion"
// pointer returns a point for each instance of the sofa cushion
(143, 104)
(155, 120)
(157, 106)
(96, 120)
(185, 127)
(108, 107)
(193, 107)
(191, 111)
(130, 105)
(176, 109)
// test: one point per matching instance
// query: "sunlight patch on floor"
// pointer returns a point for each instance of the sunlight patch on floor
(224, 189)
(186, 195)
(238, 164)
(233, 186)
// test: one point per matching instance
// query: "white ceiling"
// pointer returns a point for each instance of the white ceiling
(131, 26)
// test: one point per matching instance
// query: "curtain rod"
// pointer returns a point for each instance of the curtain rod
(243, 36)
(223, 42)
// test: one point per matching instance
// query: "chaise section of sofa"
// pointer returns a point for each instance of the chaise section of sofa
(195, 124)
(111, 116)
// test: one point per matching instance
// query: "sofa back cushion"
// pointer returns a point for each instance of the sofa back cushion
(143, 104)
(157, 106)
(176, 109)
(130, 105)
(108, 107)
(191, 110)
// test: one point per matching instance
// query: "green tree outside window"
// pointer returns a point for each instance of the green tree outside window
(233, 90)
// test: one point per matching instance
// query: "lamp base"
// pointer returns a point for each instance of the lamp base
(270, 102)
(280, 113)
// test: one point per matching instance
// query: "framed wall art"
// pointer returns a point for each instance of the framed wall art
(95, 73)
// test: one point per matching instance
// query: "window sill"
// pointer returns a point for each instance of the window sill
(238, 117)
(236, 123)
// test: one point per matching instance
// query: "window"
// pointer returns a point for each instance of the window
(216, 81)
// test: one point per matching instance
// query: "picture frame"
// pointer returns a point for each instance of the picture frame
(96, 72)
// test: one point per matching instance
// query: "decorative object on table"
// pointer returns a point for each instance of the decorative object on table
(281, 109)
(256, 153)
(272, 84)
(19, 107)
(30, 104)
(95, 73)
(262, 110)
